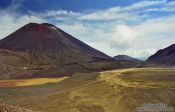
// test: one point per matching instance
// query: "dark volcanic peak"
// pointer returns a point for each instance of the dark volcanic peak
(46, 42)
(41, 29)
(42, 26)
(164, 56)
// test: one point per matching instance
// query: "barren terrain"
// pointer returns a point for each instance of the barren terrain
(122, 90)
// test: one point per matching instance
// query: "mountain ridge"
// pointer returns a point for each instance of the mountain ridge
(51, 42)
(125, 58)
(43, 50)
(164, 56)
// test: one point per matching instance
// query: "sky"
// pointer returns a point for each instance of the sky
(137, 28)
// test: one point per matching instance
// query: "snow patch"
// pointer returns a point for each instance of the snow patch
(53, 28)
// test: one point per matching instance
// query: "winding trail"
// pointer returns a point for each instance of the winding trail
(96, 80)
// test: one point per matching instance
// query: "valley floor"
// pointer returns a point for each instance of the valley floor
(125, 90)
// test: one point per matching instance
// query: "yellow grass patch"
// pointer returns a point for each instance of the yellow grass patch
(114, 78)
(110, 77)
(29, 82)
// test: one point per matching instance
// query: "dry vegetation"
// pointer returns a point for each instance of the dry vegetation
(140, 78)
(110, 91)
(29, 82)
(10, 108)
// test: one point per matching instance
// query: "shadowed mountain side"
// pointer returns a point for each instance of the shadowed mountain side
(10, 62)
(47, 44)
(125, 58)
(67, 70)
(43, 50)
(164, 56)
(44, 47)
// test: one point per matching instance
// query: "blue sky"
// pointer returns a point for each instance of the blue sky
(133, 27)
(71, 5)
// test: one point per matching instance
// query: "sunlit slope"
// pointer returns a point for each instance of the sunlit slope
(140, 78)
(29, 82)
(110, 91)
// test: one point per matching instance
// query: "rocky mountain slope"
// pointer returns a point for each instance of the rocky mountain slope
(164, 56)
(46, 44)
(43, 50)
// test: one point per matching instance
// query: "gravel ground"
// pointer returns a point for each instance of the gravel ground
(10, 108)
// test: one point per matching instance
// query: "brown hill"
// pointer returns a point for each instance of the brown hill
(125, 58)
(43, 50)
(164, 56)
(10, 61)
(47, 44)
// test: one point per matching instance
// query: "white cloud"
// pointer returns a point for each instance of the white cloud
(11, 22)
(160, 26)
(109, 14)
(142, 36)
(144, 4)
(113, 13)
(171, 3)
(140, 40)
(57, 14)
(125, 13)
(122, 37)
(167, 7)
